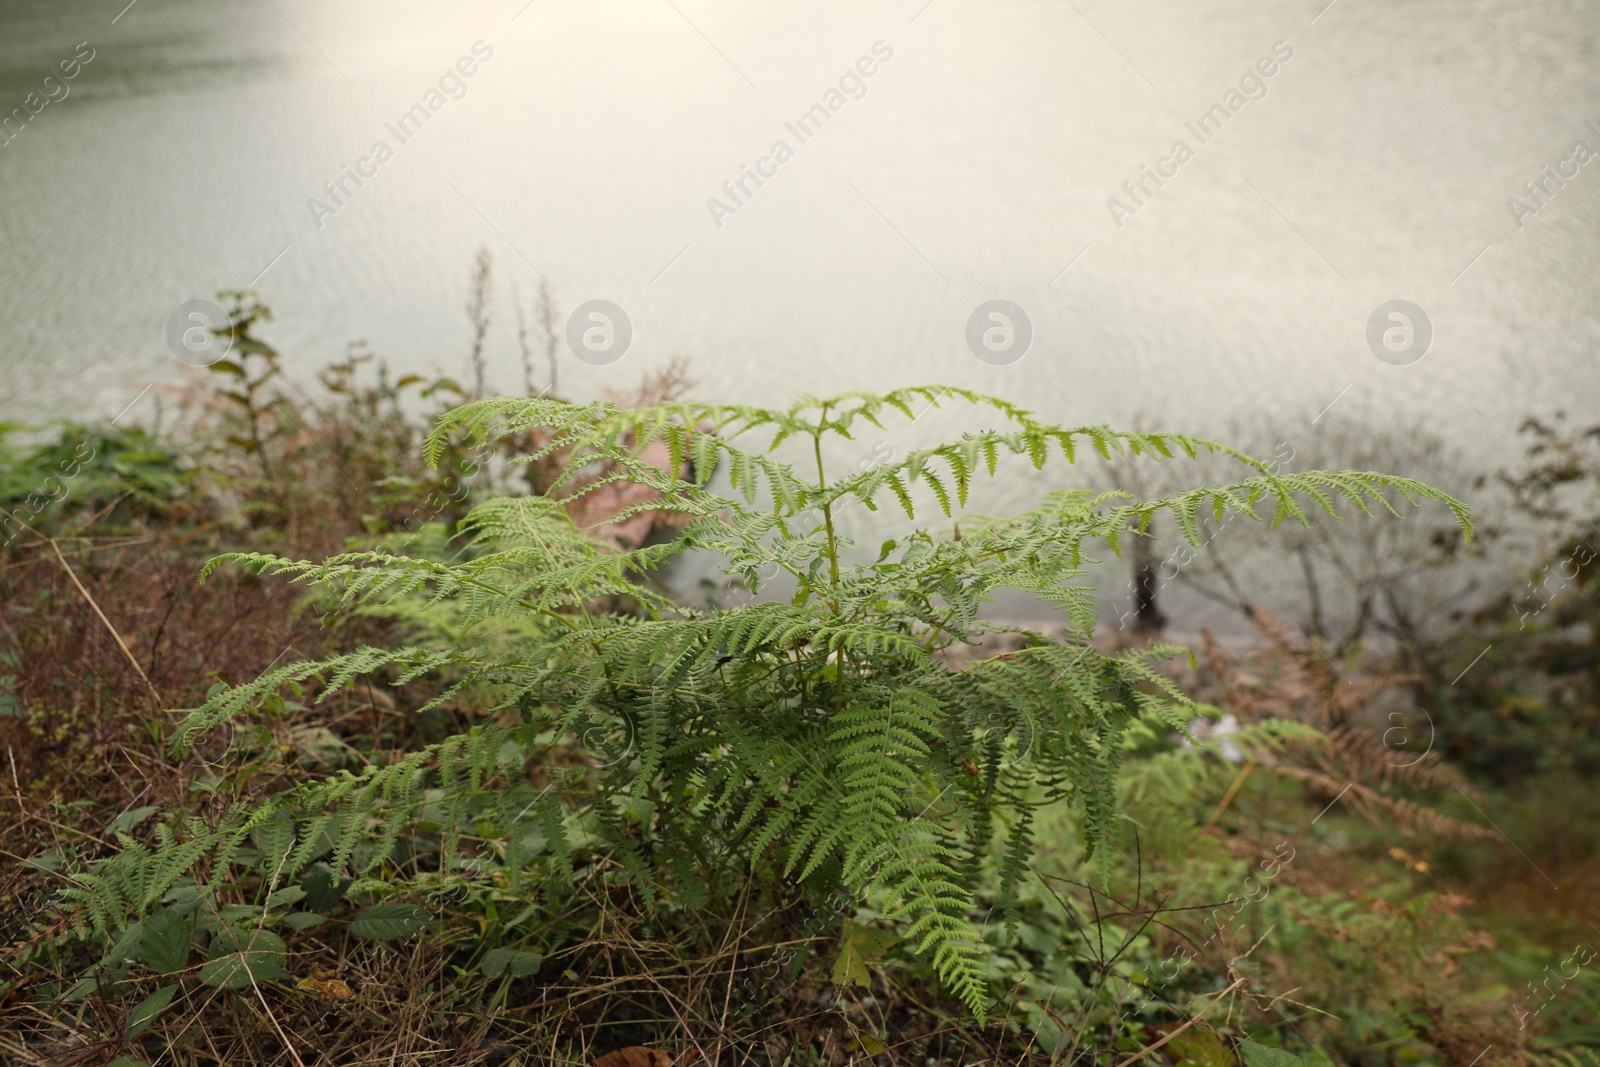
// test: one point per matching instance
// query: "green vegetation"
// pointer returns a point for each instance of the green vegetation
(453, 771)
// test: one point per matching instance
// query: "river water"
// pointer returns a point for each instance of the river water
(976, 161)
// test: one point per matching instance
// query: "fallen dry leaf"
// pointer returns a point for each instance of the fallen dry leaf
(635, 1056)
(325, 987)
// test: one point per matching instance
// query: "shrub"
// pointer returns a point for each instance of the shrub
(818, 740)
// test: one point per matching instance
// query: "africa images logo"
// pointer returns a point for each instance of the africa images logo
(55, 90)
(1399, 332)
(408, 125)
(806, 126)
(1541, 190)
(1252, 86)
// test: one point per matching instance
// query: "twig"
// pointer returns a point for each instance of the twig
(274, 1020)
(1227, 798)
(127, 542)
(1217, 997)
(102, 615)
(733, 966)
(25, 861)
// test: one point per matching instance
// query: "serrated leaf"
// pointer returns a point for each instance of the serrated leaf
(242, 957)
(859, 945)
(289, 894)
(124, 949)
(1263, 1056)
(1574, 1034)
(144, 1013)
(49, 861)
(1200, 1047)
(389, 922)
(324, 889)
(184, 899)
(510, 961)
(83, 987)
(865, 1041)
(164, 945)
(129, 819)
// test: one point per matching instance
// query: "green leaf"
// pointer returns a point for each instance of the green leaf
(185, 898)
(865, 1041)
(806, 730)
(84, 986)
(859, 945)
(165, 944)
(1574, 1034)
(1261, 1056)
(242, 957)
(510, 961)
(389, 922)
(49, 861)
(127, 1061)
(144, 1013)
(323, 888)
(1200, 1047)
(289, 894)
(129, 819)
(124, 949)
(303, 920)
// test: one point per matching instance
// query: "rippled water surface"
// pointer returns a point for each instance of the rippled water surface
(976, 162)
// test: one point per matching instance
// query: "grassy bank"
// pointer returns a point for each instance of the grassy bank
(1297, 886)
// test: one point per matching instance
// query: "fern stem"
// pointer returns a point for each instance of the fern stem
(827, 505)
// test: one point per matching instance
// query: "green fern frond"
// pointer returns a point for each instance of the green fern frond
(823, 736)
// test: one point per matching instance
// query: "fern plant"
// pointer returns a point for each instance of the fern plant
(819, 739)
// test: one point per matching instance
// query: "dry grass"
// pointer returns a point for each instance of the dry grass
(112, 630)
